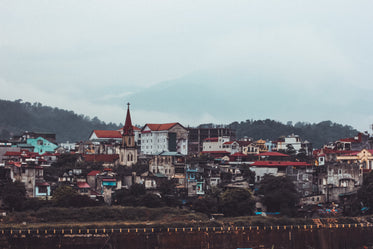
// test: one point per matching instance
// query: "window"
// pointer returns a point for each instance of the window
(43, 189)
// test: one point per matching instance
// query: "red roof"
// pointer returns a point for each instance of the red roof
(230, 142)
(12, 153)
(18, 164)
(83, 185)
(101, 157)
(161, 127)
(212, 139)
(216, 152)
(244, 143)
(352, 139)
(348, 140)
(237, 154)
(109, 180)
(107, 134)
(272, 154)
(355, 153)
(93, 173)
(42, 184)
(278, 164)
(135, 128)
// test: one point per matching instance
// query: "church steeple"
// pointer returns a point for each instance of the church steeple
(128, 150)
(128, 128)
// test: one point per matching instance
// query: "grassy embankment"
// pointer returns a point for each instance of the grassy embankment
(141, 217)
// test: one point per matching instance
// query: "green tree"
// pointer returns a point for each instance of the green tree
(237, 202)
(13, 195)
(150, 200)
(279, 194)
(124, 197)
(210, 203)
(66, 196)
(302, 154)
(290, 150)
(247, 174)
(226, 177)
(365, 193)
(137, 189)
(63, 163)
(63, 195)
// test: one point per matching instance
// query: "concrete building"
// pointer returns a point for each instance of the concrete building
(337, 179)
(198, 135)
(170, 137)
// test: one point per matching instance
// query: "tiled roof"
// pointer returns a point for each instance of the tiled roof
(278, 164)
(348, 140)
(244, 143)
(237, 154)
(93, 173)
(101, 158)
(161, 127)
(230, 142)
(42, 184)
(12, 153)
(107, 134)
(352, 139)
(83, 185)
(272, 154)
(212, 139)
(109, 180)
(135, 128)
(216, 152)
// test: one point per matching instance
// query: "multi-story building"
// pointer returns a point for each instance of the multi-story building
(283, 144)
(198, 135)
(334, 180)
(216, 144)
(170, 137)
(168, 164)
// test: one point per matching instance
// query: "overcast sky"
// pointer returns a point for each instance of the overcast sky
(92, 56)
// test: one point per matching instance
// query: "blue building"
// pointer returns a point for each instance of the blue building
(41, 145)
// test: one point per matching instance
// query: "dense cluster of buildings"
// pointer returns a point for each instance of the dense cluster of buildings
(196, 159)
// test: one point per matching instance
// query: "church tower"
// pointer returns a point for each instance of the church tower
(128, 149)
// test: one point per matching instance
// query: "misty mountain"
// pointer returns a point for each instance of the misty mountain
(17, 117)
(227, 96)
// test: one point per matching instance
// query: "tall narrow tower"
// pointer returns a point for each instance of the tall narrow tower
(128, 150)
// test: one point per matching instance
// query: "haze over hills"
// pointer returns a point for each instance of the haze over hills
(18, 116)
(229, 95)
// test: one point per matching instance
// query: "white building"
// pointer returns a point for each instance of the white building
(170, 137)
(295, 141)
(216, 144)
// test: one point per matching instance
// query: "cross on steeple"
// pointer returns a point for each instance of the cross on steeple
(127, 128)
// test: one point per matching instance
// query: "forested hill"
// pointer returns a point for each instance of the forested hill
(318, 134)
(17, 117)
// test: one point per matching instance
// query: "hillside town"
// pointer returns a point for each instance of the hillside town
(191, 162)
